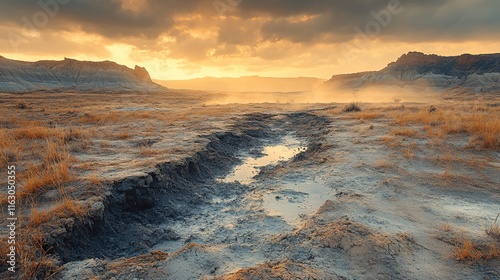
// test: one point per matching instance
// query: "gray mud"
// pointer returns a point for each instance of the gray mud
(141, 213)
(326, 209)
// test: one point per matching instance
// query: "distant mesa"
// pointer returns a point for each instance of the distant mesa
(459, 74)
(73, 75)
(142, 74)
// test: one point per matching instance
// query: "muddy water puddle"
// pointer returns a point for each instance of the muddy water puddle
(295, 200)
(244, 173)
(272, 205)
(290, 199)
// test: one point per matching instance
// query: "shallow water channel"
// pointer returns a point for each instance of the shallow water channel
(290, 199)
(271, 154)
(271, 205)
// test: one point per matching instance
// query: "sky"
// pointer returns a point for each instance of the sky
(230, 38)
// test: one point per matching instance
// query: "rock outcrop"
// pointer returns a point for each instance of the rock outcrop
(465, 73)
(70, 74)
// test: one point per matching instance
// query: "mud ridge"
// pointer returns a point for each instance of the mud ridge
(133, 207)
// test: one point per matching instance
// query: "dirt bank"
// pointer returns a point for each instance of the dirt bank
(347, 207)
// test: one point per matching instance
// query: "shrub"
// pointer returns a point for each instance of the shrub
(353, 107)
(22, 105)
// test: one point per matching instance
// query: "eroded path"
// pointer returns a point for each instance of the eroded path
(298, 196)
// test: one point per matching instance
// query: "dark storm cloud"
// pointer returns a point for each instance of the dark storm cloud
(422, 20)
(298, 21)
(104, 17)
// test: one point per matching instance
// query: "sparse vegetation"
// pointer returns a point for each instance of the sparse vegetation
(148, 152)
(123, 135)
(483, 125)
(384, 164)
(94, 180)
(64, 209)
(407, 132)
(494, 229)
(54, 164)
(22, 105)
(53, 172)
(445, 227)
(409, 153)
(390, 141)
(367, 115)
(89, 118)
(34, 260)
(467, 250)
(353, 107)
(33, 131)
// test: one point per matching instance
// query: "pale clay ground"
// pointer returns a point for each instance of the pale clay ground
(361, 207)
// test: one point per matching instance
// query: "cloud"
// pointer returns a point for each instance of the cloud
(284, 32)
(278, 19)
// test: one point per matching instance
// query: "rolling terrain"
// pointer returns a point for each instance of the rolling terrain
(421, 72)
(170, 184)
(70, 74)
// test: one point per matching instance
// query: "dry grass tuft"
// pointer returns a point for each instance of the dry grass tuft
(447, 174)
(406, 236)
(390, 141)
(122, 136)
(89, 118)
(34, 260)
(434, 133)
(114, 117)
(368, 115)
(447, 158)
(32, 132)
(445, 227)
(384, 164)
(486, 130)
(494, 230)
(64, 209)
(408, 153)
(72, 134)
(484, 126)
(148, 152)
(353, 107)
(466, 250)
(10, 150)
(54, 172)
(22, 105)
(405, 132)
(39, 178)
(94, 180)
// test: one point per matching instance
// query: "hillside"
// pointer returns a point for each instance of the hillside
(465, 73)
(69, 74)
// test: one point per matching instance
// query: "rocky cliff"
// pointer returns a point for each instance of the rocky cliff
(70, 74)
(465, 73)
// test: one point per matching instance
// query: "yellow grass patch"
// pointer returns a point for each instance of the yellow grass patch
(466, 250)
(64, 209)
(484, 126)
(407, 132)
